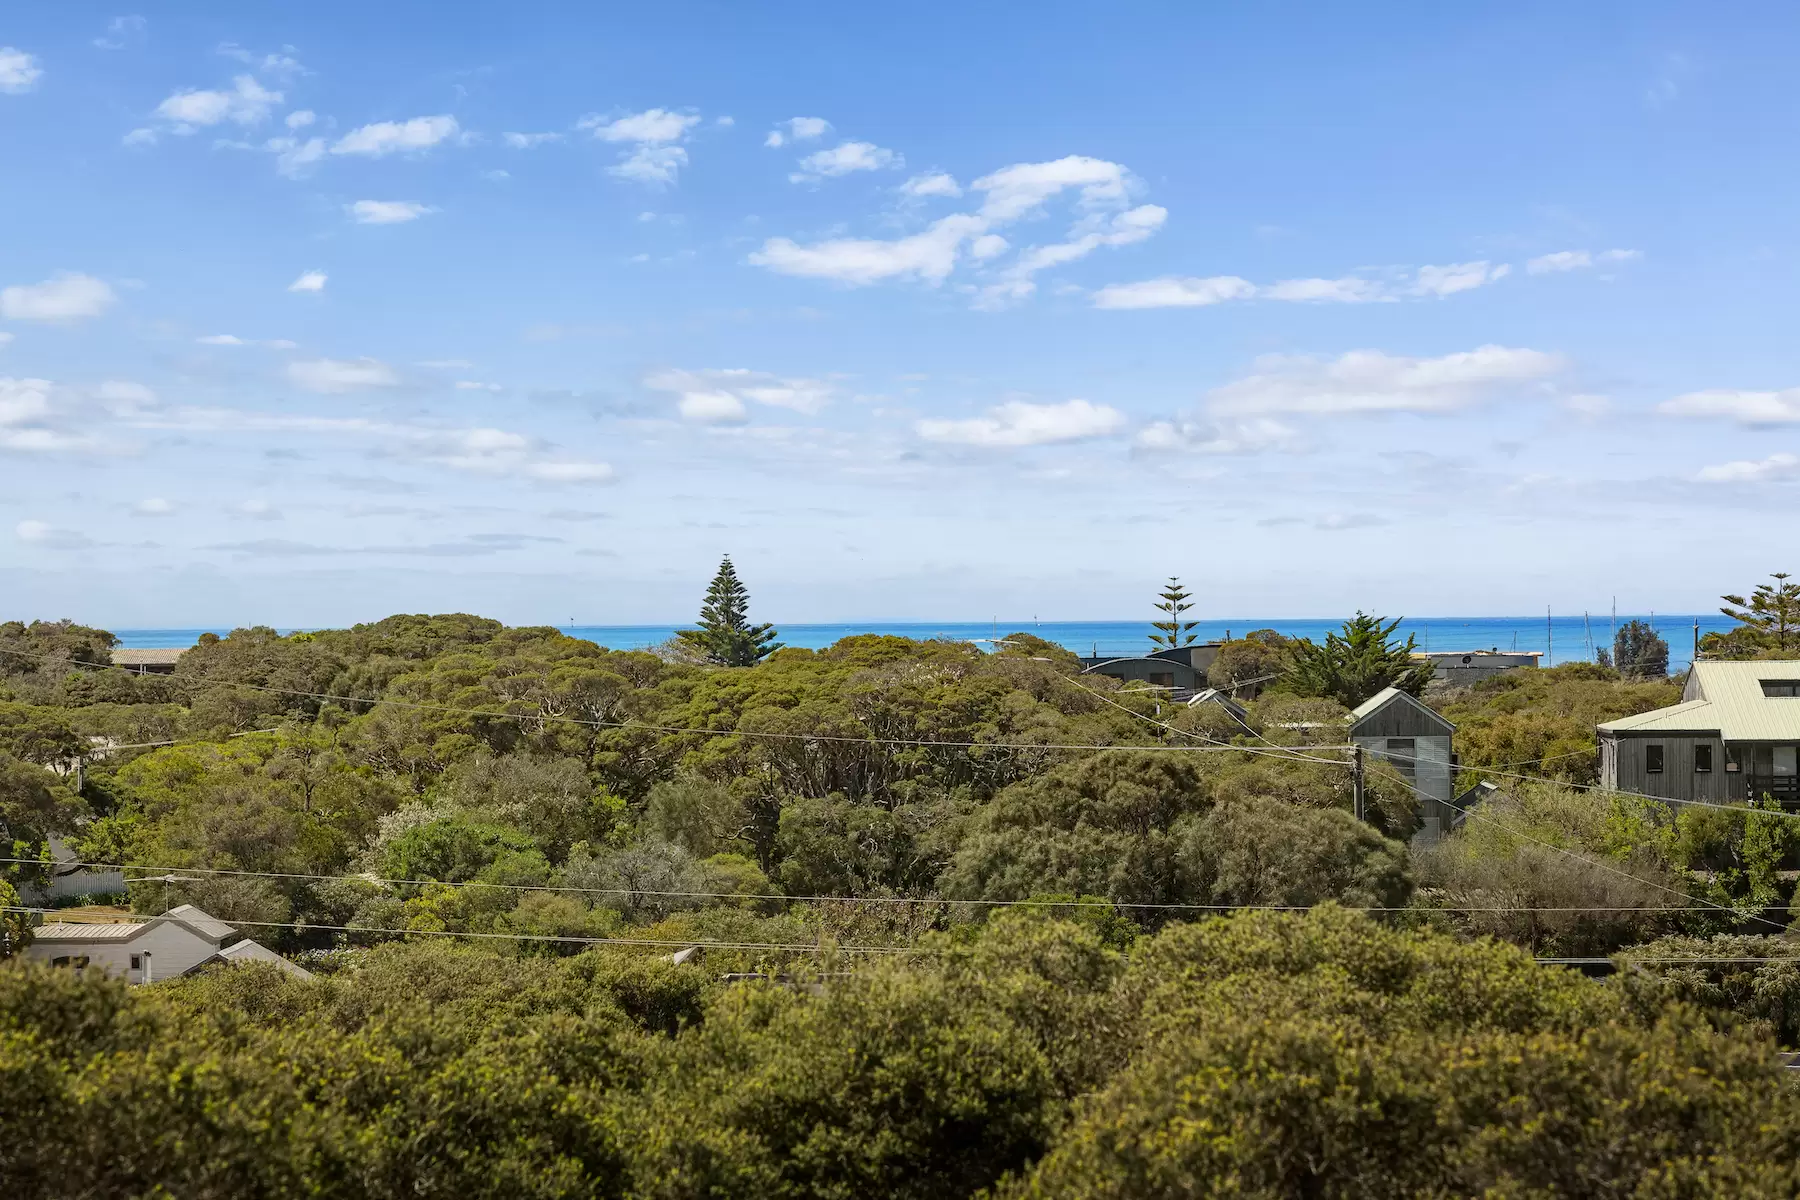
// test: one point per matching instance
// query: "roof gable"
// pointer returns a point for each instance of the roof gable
(1393, 707)
(1726, 698)
(204, 924)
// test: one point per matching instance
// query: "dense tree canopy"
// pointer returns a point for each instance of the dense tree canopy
(954, 917)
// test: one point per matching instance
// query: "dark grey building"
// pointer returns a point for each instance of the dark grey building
(1181, 671)
(1416, 741)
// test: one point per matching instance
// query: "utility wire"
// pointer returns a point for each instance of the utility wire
(304, 926)
(1596, 861)
(823, 899)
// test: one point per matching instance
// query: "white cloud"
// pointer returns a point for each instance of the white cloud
(154, 506)
(654, 159)
(64, 297)
(844, 159)
(1185, 292)
(447, 364)
(1372, 381)
(1588, 405)
(23, 401)
(475, 385)
(529, 141)
(1174, 292)
(124, 397)
(393, 137)
(41, 533)
(1744, 407)
(657, 165)
(1189, 292)
(387, 212)
(121, 32)
(258, 510)
(19, 71)
(937, 183)
(284, 64)
(714, 397)
(1575, 260)
(797, 129)
(247, 103)
(1102, 202)
(1206, 437)
(1776, 466)
(652, 126)
(502, 452)
(1348, 290)
(1336, 521)
(232, 339)
(5, 337)
(294, 155)
(1457, 277)
(300, 118)
(1020, 423)
(332, 375)
(929, 256)
(311, 281)
(988, 245)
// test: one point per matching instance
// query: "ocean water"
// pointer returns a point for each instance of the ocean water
(1568, 639)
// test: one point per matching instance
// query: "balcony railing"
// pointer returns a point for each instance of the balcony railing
(1784, 788)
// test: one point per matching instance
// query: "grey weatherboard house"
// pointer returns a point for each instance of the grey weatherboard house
(1415, 740)
(1734, 736)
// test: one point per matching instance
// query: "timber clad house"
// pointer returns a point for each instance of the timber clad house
(1416, 740)
(1734, 736)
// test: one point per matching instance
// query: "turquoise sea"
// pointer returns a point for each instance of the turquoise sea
(1568, 638)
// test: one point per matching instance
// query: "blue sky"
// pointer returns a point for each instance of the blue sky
(308, 316)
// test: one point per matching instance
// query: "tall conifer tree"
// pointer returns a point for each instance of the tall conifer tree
(725, 636)
(1173, 631)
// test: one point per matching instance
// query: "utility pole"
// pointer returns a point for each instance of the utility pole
(1359, 802)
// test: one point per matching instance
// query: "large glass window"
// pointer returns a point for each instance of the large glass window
(1404, 754)
(1702, 759)
(1653, 758)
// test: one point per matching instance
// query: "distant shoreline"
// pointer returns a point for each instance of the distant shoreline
(1572, 640)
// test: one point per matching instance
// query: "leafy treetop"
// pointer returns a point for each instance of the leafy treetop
(1353, 665)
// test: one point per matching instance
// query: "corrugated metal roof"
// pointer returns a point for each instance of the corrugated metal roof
(1731, 703)
(69, 931)
(202, 923)
(1693, 716)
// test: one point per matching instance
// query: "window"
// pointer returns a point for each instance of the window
(1702, 759)
(81, 962)
(1781, 687)
(1162, 679)
(137, 962)
(1404, 754)
(61, 960)
(1653, 758)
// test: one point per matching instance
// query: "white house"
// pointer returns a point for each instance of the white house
(154, 948)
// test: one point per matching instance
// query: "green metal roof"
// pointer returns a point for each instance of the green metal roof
(1728, 700)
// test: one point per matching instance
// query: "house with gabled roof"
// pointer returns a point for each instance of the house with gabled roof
(1415, 739)
(148, 949)
(1735, 736)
